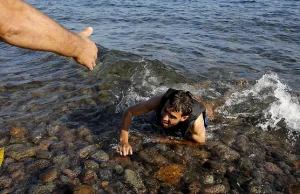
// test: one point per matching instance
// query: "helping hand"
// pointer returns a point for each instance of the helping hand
(86, 50)
(124, 149)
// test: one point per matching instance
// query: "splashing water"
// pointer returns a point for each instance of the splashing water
(268, 97)
(286, 108)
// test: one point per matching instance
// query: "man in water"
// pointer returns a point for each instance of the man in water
(176, 110)
(23, 26)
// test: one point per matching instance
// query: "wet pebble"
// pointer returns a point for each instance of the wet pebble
(84, 152)
(214, 189)
(135, 181)
(216, 166)
(86, 189)
(90, 177)
(83, 131)
(118, 169)
(19, 175)
(208, 179)
(91, 165)
(194, 188)
(58, 145)
(272, 168)
(42, 189)
(20, 152)
(241, 143)
(37, 165)
(170, 174)
(49, 175)
(224, 152)
(4, 141)
(100, 156)
(293, 188)
(44, 144)
(246, 164)
(105, 174)
(5, 182)
(147, 155)
(42, 154)
(18, 132)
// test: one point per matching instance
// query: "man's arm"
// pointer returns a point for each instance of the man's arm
(138, 109)
(24, 26)
(198, 132)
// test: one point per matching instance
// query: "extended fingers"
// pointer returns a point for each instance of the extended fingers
(124, 151)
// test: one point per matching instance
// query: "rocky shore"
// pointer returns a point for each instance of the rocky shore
(240, 159)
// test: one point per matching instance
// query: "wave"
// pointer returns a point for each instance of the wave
(269, 99)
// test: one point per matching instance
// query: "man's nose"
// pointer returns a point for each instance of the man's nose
(166, 117)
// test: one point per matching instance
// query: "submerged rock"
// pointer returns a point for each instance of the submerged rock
(5, 182)
(41, 189)
(84, 152)
(293, 189)
(86, 189)
(135, 181)
(214, 189)
(20, 152)
(147, 155)
(170, 174)
(100, 156)
(272, 168)
(18, 132)
(49, 176)
(223, 151)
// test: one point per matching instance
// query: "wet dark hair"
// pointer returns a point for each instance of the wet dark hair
(182, 101)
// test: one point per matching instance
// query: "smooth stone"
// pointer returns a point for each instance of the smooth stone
(49, 176)
(214, 189)
(18, 132)
(43, 154)
(135, 181)
(84, 152)
(91, 165)
(42, 189)
(100, 156)
(83, 189)
(272, 168)
(147, 155)
(105, 174)
(90, 177)
(118, 169)
(20, 152)
(5, 182)
(170, 174)
(223, 151)
(241, 143)
(36, 166)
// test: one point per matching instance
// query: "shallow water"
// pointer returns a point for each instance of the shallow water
(244, 54)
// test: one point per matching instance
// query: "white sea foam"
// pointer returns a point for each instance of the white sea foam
(270, 97)
(286, 108)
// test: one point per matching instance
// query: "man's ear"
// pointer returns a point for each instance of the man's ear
(183, 118)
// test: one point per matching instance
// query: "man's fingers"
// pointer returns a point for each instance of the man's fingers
(87, 32)
(125, 151)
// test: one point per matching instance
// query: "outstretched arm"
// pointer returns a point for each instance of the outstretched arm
(138, 109)
(24, 26)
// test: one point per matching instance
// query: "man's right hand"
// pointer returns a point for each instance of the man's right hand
(124, 149)
(86, 52)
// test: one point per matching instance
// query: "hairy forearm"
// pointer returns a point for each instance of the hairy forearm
(24, 26)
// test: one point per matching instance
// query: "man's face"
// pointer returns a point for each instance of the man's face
(170, 117)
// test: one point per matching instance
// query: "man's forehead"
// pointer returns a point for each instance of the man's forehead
(172, 109)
